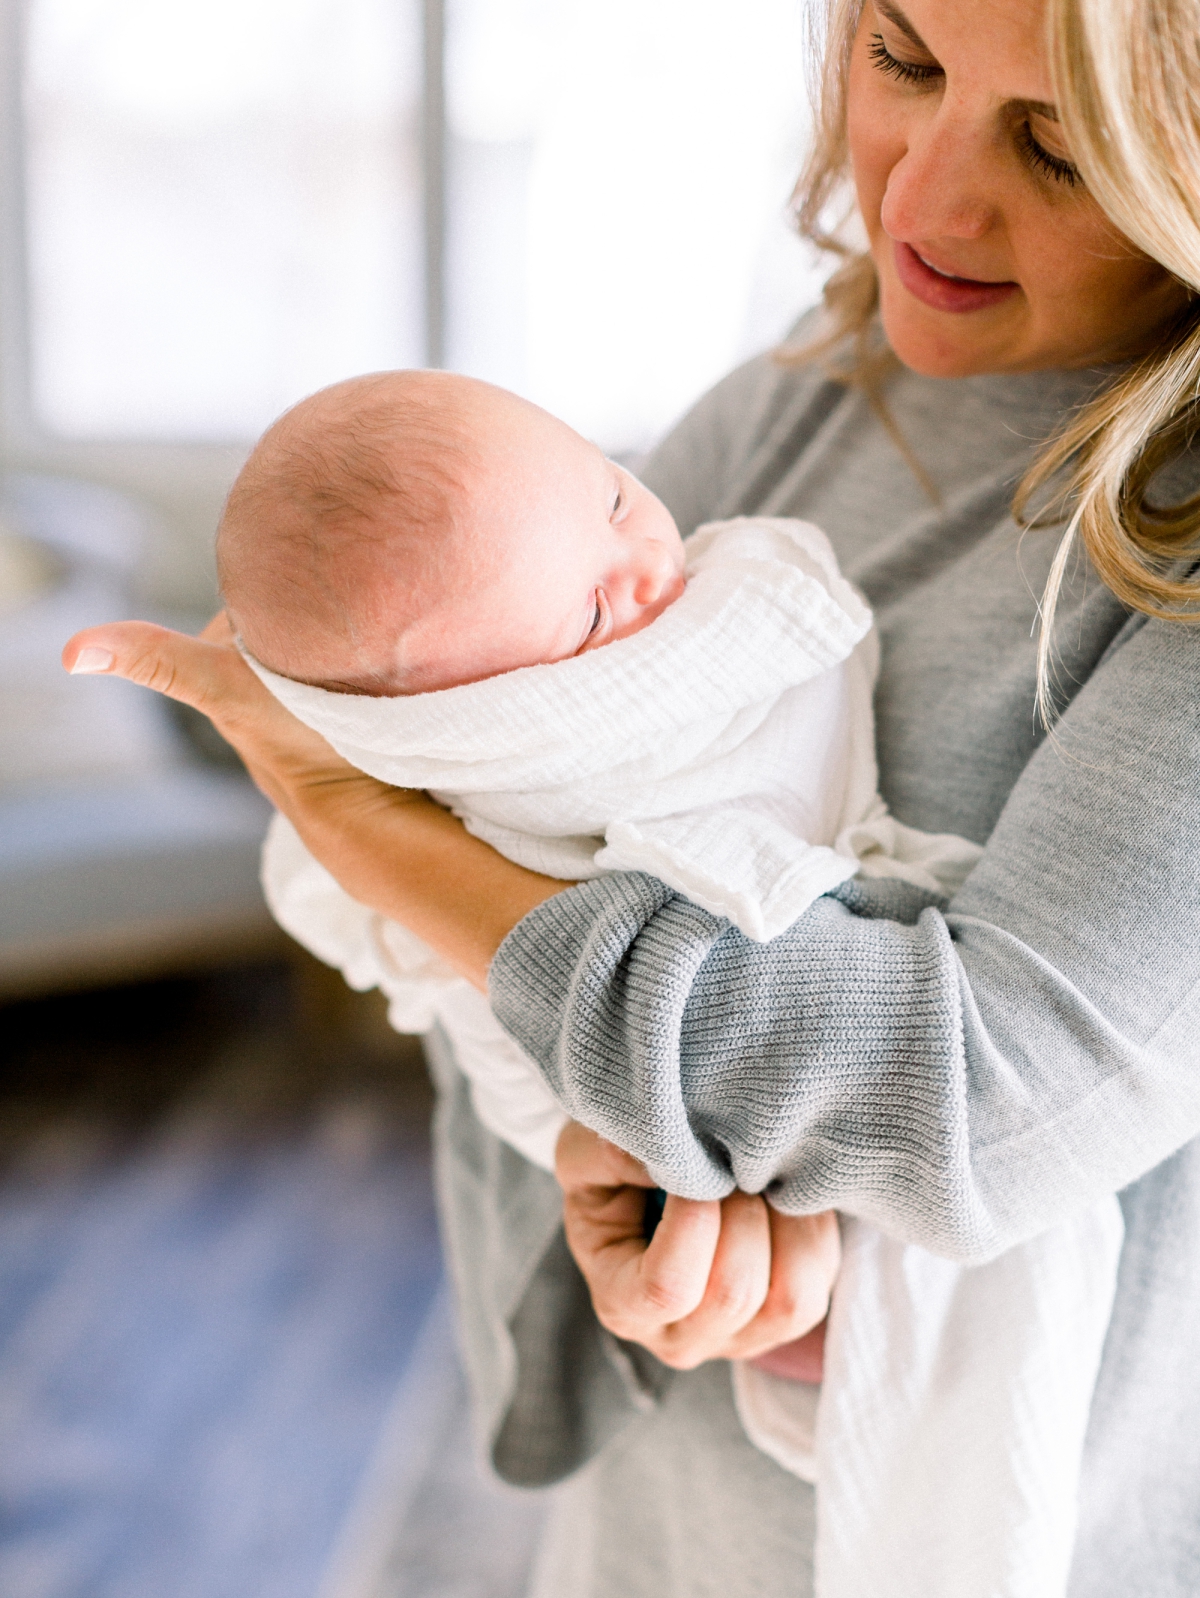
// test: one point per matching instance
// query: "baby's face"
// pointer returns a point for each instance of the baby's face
(559, 551)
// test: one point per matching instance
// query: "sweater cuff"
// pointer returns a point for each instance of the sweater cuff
(565, 946)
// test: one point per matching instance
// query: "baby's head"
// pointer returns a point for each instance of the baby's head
(410, 531)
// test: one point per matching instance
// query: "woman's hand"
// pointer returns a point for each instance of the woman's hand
(287, 760)
(727, 1280)
(391, 849)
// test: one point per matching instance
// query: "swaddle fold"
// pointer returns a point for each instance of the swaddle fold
(764, 608)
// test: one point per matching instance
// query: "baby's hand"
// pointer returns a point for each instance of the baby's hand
(719, 1280)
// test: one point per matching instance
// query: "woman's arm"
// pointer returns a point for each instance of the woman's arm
(395, 851)
(961, 1079)
(722, 1280)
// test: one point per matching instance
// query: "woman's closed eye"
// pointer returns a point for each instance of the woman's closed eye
(895, 67)
(1043, 162)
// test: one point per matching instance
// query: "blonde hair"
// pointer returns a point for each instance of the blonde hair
(1127, 87)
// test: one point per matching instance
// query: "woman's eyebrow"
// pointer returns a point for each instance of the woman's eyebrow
(893, 13)
(898, 20)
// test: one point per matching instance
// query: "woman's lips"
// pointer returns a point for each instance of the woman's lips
(945, 293)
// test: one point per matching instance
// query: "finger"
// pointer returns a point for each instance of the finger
(196, 671)
(677, 1265)
(219, 630)
(806, 1253)
(638, 1291)
(211, 676)
(635, 1290)
(736, 1289)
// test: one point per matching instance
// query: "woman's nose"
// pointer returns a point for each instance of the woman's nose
(941, 187)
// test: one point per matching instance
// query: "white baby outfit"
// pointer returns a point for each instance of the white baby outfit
(728, 749)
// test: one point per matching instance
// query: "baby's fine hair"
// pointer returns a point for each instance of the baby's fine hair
(375, 456)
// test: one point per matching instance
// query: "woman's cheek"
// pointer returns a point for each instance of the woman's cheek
(1093, 295)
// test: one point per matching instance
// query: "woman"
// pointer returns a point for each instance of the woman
(963, 1077)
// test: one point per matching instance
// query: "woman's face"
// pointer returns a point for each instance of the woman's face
(992, 256)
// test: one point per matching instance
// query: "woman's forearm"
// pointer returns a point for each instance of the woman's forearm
(407, 858)
(963, 1080)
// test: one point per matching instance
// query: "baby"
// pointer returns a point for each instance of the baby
(411, 531)
(462, 594)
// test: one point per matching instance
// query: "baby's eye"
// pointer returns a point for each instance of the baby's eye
(598, 626)
(618, 501)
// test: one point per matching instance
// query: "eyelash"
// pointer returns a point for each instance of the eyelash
(1049, 166)
(906, 71)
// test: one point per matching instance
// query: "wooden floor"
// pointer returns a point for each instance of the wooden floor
(217, 1254)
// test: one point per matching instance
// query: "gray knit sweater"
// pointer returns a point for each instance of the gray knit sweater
(960, 1075)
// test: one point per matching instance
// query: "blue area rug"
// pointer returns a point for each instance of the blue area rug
(217, 1250)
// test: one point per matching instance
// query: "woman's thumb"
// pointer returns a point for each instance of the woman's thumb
(183, 668)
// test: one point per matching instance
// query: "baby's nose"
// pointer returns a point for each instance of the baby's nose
(655, 570)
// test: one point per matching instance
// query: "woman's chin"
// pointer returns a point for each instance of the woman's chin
(932, 354)
(941, 344)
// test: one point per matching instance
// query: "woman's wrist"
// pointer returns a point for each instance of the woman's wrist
(404, 856)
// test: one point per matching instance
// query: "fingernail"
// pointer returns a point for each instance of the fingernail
(89, 660)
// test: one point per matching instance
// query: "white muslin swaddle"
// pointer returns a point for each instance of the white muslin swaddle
(728, 749)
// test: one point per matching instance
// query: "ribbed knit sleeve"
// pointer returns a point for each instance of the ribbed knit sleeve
(962, 1077)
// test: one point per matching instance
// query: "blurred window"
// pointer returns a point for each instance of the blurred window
(617, 176)
(224, 208)
(226, 204)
